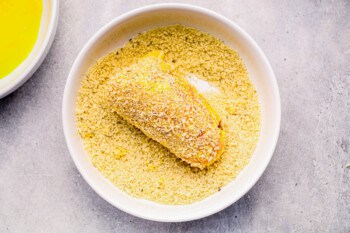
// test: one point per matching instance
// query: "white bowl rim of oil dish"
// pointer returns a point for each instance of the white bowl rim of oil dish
(47, 30)
(114, 35)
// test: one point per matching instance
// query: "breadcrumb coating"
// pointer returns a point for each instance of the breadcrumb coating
(168, 109)
(144, 168)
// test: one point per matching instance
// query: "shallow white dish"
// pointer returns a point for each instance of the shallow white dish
(24, 71)
(115, 34)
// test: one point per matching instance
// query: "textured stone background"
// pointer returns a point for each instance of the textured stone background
(306, 187)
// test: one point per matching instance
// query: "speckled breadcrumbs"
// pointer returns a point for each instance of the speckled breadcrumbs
(142, 167)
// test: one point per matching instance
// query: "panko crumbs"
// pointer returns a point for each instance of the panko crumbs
(142, 167)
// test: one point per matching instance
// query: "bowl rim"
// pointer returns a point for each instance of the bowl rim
(130, 14)
(40, 56)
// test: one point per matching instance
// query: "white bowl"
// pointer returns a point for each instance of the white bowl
(24, 71)
(116, 34)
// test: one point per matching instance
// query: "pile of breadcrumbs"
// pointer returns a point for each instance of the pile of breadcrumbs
(142, 167)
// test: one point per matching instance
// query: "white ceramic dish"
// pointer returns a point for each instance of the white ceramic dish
(24, 71)
(117, 33)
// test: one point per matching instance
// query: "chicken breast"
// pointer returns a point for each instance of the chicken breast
(169, 110)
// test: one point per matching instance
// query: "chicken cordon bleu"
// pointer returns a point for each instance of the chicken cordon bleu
(169, 110)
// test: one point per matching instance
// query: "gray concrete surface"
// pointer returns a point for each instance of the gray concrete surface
(306, 187)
